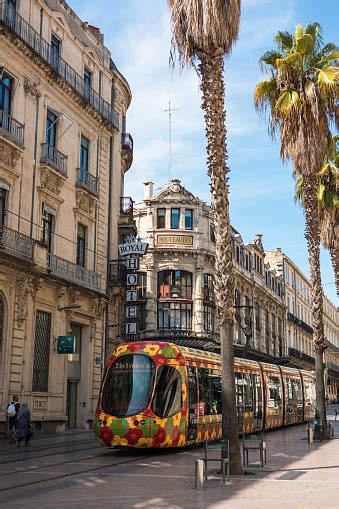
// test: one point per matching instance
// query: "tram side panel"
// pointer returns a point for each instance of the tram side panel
(273, 390)
(308, 380)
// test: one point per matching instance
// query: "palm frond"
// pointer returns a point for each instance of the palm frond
(314, 29)
(203, 26)
(269, 58)
(264, 94)
(288, 102)
(293, 58)
(284, 41)
(327, 79)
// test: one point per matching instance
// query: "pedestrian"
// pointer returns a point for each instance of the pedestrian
(24, 430)
(336, 414)
(12, 411)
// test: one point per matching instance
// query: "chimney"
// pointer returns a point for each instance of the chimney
(97, 34)
(148, 190)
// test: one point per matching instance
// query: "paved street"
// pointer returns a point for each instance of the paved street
(72, 471)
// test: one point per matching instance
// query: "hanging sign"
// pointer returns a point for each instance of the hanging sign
(66, 344)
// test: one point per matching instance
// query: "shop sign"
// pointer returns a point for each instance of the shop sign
(66, 344)
(182, 240)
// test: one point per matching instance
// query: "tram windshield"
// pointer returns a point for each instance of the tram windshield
(128, 385)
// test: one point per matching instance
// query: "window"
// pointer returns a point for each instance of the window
(257, 318)
(174, 315)
(81, 244)
(51, 128)
(161, 218)
(175, 219)
(267, 332)
(87, 82)
(142, 285)
(209, 313)
(142, 313)
(3, 201)
(167, 399)
(188, 219)
(47, 229)
(212, 234)
(2, 323)
(208, 287)
(84, 152)
(11, 11)
(41, 351)
(247, 261)
(237, 253)
(55, 52)
(128, 385)
(204, 391)
(6, 85)
(274, 394)
(247, 311)
(174, 284)
(77, 332)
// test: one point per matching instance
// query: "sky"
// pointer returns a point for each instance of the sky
(138, 34)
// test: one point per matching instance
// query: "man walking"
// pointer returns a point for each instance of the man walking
(12, 413)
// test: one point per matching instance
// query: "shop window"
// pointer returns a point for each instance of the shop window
(175, 284)
(209, 317)
(174, 315)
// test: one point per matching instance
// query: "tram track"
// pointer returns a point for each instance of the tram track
(78, 472)
(19, 455)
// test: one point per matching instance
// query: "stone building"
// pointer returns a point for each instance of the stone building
(176, 298)
(63, 155)
(299, 321)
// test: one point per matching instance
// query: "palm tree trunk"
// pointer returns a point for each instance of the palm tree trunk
(312, 234)
(213, 91)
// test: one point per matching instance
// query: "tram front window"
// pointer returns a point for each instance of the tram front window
(128, 385)
(167, 400)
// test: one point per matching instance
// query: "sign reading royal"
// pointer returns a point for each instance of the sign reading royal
(133, 246)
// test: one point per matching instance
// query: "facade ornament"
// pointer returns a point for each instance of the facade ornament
(84, 202)
(50, 181)
(24, 287)
(32, 88)
(8, 156)
(257, 242)
(8, 283)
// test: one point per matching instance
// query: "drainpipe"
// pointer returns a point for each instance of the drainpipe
(34, 164)
(109, 223)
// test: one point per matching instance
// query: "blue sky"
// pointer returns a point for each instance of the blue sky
(137, 32)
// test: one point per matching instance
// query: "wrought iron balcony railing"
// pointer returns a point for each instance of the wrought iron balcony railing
(173, 332)
(87, 181)
(11, 128)
(297, 354)
(16, 244)
(117, 272)
(22, 29)
(53, 157)
(126, 141)
(73, 273)
(300, 323)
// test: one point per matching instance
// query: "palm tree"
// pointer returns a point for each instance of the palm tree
(328, 200)
(204, 31)
(300, 95)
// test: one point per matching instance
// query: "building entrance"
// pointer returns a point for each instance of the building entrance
(72, 389)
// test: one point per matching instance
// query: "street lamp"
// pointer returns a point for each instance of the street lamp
(248, 329)
(68, 308)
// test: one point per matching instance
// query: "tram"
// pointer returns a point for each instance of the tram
(158, 394)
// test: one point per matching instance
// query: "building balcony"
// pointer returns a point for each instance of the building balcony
(16, 244)
(87, 181)
(300, 323)
(301, 356)
(117, 272)
(127, 151)
(18, 27)
(50, 156)
(73, 273)
(11, 129)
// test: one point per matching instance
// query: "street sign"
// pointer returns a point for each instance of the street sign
(66, 344)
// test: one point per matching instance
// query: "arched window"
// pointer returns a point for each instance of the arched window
(2, 324)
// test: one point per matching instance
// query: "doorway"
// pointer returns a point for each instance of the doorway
(72, 389)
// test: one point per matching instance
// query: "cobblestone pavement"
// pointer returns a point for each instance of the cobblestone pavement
(72, 471)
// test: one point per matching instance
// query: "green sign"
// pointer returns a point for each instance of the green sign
(66, 344)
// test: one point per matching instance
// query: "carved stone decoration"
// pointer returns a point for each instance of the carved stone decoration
(32, 88)
(50, 181)
(176, 192)
(257, 242)
(7, 283)
(92, 330)
(8, 156)
(84, 202)
(98, 306)
(24, 287)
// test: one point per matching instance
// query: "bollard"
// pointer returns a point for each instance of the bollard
(199, 474)
(310, 432)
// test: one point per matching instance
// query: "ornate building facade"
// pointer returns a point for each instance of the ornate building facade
(63, 155)
(176, 297)
(299, 321)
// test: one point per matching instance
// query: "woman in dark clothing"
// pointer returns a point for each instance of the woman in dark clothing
(24, 425)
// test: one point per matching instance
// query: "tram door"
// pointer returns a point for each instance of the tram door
(192, 403)
(257, 402)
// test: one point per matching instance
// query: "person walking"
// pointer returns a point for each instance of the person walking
(12, 411)
(24, 429)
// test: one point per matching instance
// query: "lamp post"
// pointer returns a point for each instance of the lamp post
(246, 330)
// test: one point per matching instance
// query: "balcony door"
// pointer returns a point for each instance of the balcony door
(3, 199)
(84, 155)
(6, 83)
(11, 11)
(55, 52)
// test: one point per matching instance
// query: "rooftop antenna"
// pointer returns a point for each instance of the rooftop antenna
(169, 111)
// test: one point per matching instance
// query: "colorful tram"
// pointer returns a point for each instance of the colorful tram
(159, 394)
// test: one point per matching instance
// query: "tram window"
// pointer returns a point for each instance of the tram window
(216, 391)
(248, 392)
(205, 390)
(274, 400)
(309, 394)
(128, 385)
(167, 399)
